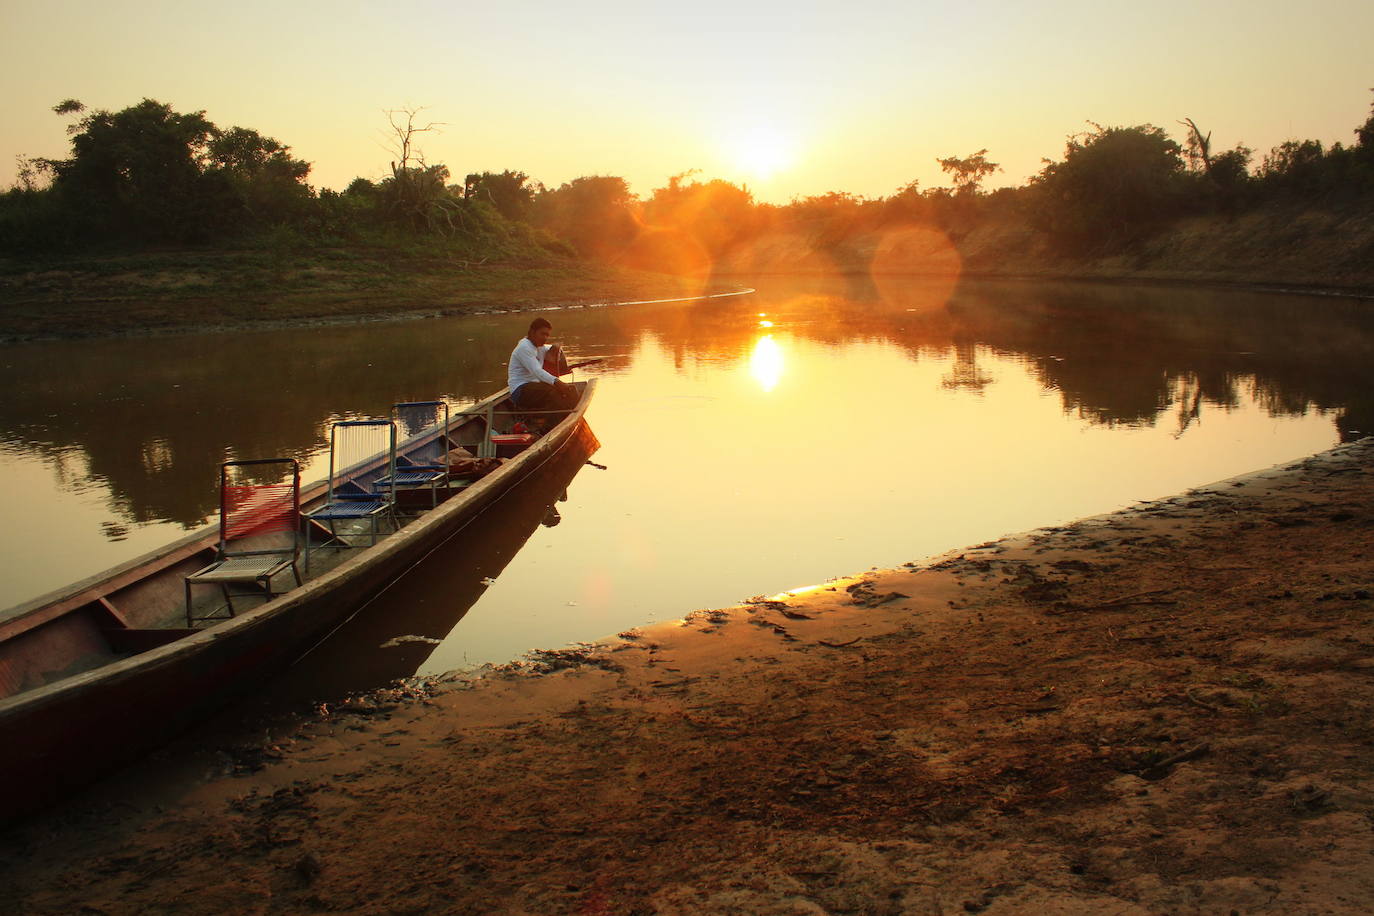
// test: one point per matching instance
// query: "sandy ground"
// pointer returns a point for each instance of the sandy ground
(1163, 710)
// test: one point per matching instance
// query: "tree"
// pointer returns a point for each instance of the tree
(1197, 148)
(417, 194)
(591, 212)
(1115, 185)
(1364, 138)
(968, 173)
(138, 170)
(1225, 174)
(506, 191)
(715, 213)
(259, 173)
(154, 174)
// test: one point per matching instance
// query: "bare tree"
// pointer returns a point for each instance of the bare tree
(417, 192)
(1198, 147)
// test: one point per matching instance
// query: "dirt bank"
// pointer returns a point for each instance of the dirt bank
(1166, 709)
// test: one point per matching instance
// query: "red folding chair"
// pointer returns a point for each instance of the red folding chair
(259, 532)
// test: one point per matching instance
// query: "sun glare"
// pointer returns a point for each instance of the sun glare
(766, 362)
(761, 150)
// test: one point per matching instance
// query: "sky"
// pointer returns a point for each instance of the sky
(790, 99)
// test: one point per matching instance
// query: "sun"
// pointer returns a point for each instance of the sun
(761, 150)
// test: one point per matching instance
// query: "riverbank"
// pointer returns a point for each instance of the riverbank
(190, 290)
(1291, 248)
(1162, 709)
(212, 290)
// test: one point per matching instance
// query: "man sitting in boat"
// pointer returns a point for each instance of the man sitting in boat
(533, 375)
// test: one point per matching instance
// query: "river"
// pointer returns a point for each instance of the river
(813, 429)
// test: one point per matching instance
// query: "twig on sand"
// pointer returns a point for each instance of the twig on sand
(1135, 599)
(1161, 769)
(1139, 598)
(1188, 695)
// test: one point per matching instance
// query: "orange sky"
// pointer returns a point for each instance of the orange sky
(790, 98)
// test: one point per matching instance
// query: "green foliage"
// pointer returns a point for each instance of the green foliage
(968, 173)
(1115, 186)
(592, 213)
(32, 221)
(506, 191)
(150, 174)
(260, 175)
(138, 172)
(418, 198)
(1364, 137)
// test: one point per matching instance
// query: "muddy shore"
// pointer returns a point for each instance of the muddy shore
(1165, 709)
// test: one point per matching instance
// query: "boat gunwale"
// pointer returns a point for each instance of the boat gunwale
(392, 544)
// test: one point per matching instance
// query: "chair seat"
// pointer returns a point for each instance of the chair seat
(360, 508)
(410, 479)
(242, 569)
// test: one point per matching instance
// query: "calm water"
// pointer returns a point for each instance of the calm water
(753, 445)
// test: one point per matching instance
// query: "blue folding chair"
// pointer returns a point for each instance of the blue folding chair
(361, 452)
(428, 464)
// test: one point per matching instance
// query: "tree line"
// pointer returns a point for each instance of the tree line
(151, 176)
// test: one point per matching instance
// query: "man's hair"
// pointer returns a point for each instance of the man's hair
(536, 324)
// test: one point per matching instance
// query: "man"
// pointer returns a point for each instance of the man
(532, 386)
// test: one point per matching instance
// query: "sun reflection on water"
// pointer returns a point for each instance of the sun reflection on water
(766, 363)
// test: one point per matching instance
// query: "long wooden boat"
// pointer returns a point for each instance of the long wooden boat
(97, 673)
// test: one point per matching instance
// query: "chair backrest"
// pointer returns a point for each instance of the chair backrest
(360, 451)
(416, 417)
(259, 506)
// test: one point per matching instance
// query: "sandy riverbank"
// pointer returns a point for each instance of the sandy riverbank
(1166, 709)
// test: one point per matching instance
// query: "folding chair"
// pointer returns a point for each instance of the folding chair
(428, 465)
(259, 531)
(360, 453)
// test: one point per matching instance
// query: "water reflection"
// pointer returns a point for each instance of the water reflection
(117, 451)
(766, 362)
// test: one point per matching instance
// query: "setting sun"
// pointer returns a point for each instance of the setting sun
(761, 150)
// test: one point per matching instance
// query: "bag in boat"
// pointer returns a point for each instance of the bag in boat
(463, 463)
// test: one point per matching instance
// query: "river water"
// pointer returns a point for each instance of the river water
(813, 429)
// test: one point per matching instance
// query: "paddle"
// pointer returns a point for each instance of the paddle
(587, 362)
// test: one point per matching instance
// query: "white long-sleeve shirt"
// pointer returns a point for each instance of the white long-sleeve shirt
(527, 365)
